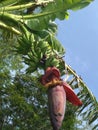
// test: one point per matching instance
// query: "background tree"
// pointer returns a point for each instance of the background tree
(31, 46)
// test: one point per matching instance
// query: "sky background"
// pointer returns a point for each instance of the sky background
(79, 36)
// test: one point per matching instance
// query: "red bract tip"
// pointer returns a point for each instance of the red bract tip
(52, 70)
(51, 73)
(71, 96)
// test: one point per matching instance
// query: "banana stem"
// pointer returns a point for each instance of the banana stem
(11, 29)
(24, 6)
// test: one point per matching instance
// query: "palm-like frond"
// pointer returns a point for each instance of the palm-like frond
(89, 109)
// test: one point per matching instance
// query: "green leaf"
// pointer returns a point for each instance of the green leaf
(56, 46)
(80, 6)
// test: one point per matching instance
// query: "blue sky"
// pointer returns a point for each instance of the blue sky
(79, 36)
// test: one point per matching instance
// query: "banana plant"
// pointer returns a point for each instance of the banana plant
(33, 22)
(47, 57)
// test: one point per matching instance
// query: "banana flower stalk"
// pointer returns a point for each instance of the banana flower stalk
(58, 92)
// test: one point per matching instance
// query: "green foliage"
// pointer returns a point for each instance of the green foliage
(49, 10)
(24, 103)
(22, 106)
